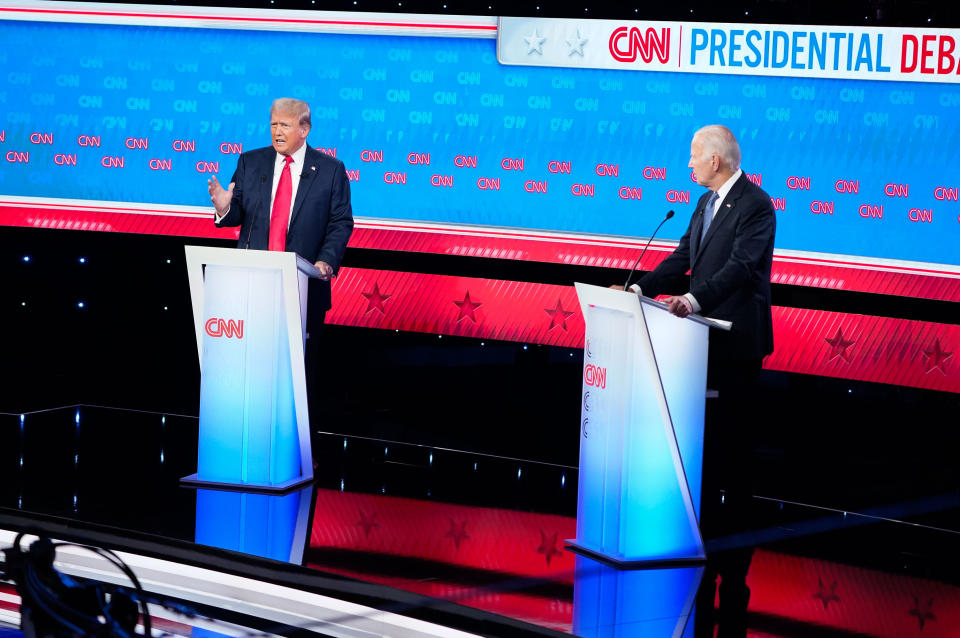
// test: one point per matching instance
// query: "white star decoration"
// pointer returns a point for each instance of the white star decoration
(576, 44)
(535, 42)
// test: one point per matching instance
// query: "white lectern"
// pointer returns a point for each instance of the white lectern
(641, 435)
(249, 307)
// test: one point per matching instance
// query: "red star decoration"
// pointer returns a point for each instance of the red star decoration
(457, 532)
(375, 299)
(467, 308)
(937, 357)
(558, 316)
(548, 546)
(838, 346)
(826, 597)
(367, 523)
(923, 615)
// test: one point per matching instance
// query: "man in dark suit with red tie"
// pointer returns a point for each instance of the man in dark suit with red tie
(291, 197)
(728, 250)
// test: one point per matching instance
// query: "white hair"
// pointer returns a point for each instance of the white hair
(720, 140)
(292, 105)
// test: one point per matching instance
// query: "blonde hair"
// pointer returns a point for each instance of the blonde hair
(292, 105)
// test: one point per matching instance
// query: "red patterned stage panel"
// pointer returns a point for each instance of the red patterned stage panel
(455, 534)
(866, 348)
(861, 347)
(853, 600)
(462, 306)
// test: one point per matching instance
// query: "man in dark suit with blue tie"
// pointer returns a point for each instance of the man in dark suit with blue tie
(288, 196)
(728, 250)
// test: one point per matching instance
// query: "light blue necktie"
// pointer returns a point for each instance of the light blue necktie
(708, 214)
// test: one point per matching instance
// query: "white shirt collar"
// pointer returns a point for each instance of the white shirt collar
(727, 185)
(298, 158)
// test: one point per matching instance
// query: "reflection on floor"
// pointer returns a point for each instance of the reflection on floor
(487, 533)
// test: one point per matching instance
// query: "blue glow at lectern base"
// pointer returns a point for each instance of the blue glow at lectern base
(652, 603)
(266, 525)
(262, 525)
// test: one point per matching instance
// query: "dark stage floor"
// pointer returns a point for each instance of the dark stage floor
(484, 532)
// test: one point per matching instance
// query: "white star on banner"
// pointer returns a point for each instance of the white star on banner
(576, 44)
(535, 42)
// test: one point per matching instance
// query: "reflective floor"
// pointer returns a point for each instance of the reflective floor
(487, 533)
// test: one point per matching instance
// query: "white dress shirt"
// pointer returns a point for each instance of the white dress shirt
(296, 169)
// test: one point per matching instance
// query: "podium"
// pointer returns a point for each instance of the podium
(249, 308)
(641, 430)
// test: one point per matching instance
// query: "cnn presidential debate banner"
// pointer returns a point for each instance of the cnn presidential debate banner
(554, 140)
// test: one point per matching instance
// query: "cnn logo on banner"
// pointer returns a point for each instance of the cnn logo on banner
(627, 42)
(228, 328)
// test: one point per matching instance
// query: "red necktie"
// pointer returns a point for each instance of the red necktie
(280, 216)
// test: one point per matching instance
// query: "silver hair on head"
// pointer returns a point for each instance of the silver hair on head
(292, 105)
(720, 140)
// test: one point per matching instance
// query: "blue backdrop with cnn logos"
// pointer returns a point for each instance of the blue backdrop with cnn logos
(435, 129)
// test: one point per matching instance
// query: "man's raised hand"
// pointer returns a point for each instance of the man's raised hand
(219, 196)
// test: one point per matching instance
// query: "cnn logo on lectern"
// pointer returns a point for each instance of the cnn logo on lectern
(228, 328)
(595, 376)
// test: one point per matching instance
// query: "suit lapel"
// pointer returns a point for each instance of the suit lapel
(266, 185)
(307, 177)
(725, 212)
(696, 229)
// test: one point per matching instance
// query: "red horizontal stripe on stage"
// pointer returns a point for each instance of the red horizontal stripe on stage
(522, 245)
(613, 252)
(117, 220)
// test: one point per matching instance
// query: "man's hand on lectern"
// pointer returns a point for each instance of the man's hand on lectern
(220, 197)
(679, 306)
(326, 270)
(616, 287)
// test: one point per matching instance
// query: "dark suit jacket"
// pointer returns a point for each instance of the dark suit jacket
(729, 273)
(321, 221)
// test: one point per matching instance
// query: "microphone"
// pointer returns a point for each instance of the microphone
(637, 262)
(263, 179)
